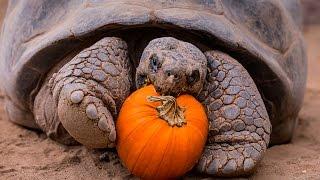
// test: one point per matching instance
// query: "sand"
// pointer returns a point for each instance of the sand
(26, 154)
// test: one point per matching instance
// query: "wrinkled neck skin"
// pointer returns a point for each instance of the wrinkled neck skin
(174, 67)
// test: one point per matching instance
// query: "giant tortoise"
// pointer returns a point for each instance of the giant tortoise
(67, 67)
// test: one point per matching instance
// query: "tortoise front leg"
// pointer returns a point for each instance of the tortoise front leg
(239, 129)
(89, 90)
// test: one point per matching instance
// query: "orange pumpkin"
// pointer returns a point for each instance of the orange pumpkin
(161, 139)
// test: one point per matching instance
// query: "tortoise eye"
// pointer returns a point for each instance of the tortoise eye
(194, 77)
(154, 63)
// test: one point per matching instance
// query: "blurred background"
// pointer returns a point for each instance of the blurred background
(3, 6)
(311, 12)
(26, 154)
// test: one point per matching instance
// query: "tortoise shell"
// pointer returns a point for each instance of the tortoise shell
(263, 35)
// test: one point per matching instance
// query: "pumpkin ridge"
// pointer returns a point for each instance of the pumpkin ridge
(195, 128)
(165, 152)
(194, 151)
(187, 142)
(145, 172)
(170, 156)
(178, 137)
(145, 110)
(147, 142)
(140, 125)
(134, 152)
(145, 116)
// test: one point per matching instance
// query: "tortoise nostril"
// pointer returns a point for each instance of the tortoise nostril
(169, 73)
(194, 77)
(158, 89)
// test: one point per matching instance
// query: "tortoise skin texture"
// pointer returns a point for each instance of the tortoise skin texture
(67, 60)
(239, 123)
(89, 89)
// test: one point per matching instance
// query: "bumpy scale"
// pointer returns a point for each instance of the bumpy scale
(239, 128)
(89, 90)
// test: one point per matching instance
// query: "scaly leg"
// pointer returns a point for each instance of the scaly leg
(89, 90)
(239, 128)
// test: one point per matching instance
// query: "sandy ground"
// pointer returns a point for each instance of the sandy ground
(26, 154)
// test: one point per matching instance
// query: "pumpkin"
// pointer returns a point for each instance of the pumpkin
(160, 136)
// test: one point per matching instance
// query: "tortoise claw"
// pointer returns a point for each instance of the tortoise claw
(106, 124)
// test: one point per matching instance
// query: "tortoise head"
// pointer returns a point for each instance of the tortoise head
(172, 66)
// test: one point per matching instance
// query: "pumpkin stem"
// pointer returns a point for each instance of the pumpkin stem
(169, 110)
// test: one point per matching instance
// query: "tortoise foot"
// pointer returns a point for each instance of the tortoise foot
(239, 130)
(86, 118)
(89, 90)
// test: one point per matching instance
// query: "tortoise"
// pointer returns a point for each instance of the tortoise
(67, 66)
